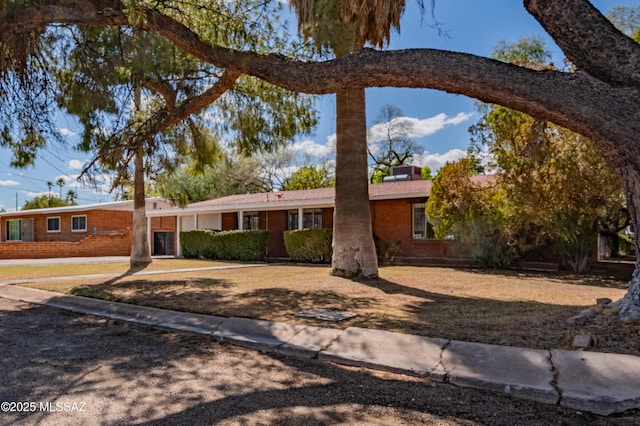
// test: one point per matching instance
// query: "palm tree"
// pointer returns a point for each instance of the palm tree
(50, 185)
(344, 26)
(71, 197)
(60, 182)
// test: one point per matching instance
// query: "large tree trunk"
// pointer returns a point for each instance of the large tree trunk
(354, 253)
(140, 253)
(630, 304)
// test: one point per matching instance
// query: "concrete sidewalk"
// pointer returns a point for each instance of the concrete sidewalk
(590, 381)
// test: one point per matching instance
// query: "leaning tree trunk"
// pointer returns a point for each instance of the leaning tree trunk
(630, 303)
(140, 254)
(354, 253)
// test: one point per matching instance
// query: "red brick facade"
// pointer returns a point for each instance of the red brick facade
(90, 246)
(107, 233)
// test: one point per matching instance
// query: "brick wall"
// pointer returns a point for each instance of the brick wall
(393, 220)
(104, 221)
(163, 223)
(92, 245)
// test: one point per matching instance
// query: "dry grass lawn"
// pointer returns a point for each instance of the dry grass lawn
(497, 307)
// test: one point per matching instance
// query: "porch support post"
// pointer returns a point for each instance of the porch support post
(149, 235)
(300, 217)
(178, 230)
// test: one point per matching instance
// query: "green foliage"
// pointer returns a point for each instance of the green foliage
(46, 201)
(179, 114)
(309, 177)
(526, 51)
(248, 246)
(555, 185)
(426, 172)
(388, 248)
(472, 214)
(231, 175)
(309, 245)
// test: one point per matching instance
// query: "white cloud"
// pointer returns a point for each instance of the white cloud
(436, 161)
(9, 183)
(414, 127)
(35, 194)
(75, 165)
(312, 149)
(67, 132)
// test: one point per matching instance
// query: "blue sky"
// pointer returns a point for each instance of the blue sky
(439, 120)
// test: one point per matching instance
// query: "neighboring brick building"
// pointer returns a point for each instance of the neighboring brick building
(102, 229)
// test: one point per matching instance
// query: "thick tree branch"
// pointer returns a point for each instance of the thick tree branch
(163, 88)
(174, 114)
(589, 39)
(579, 101)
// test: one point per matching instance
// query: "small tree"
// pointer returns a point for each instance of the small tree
(471, 213)
(309, 177)
(45, 201)
(389, 143)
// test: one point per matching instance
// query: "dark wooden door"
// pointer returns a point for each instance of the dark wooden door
(163, 243)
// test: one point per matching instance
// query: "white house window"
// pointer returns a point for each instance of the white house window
(53, 224)
(312, 218)
(14, 230)
(292, 221)
(78, 223)
(422, 229)
(251, 220)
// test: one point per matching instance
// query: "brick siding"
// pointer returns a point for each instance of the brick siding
(92, 245)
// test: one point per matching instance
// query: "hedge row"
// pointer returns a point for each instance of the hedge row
(309, 245)
(225, 245)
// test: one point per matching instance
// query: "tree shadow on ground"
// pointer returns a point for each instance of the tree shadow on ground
(133, 374)
(407, 310)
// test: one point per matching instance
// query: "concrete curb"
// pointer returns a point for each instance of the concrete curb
(597, 382)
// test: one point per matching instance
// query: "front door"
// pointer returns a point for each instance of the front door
(163, 243)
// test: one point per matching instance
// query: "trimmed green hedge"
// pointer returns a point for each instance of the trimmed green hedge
(309, 245)
(225, 245)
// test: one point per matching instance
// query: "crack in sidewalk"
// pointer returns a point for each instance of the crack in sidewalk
(445, 375)
(554, 381)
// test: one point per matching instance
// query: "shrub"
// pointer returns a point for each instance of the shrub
(309, 245)
(225, 245)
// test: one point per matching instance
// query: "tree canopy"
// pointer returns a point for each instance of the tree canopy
(47, 201)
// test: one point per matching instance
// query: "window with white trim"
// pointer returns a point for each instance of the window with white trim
(251, 220)
(53, 224)
(422, 229)
(292, 221)
(312, 218)
(79, 223)
(14, 230)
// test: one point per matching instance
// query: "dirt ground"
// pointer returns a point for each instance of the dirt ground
(62, 368)
(501, 307)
